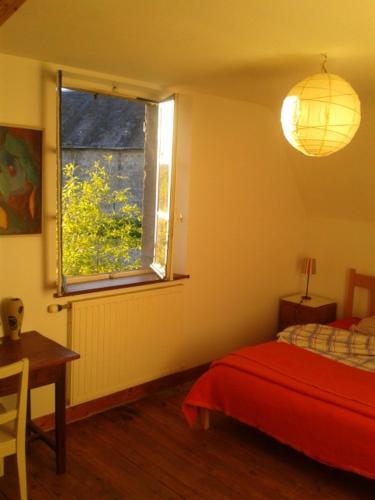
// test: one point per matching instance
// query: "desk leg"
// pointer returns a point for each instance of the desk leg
(60, 431)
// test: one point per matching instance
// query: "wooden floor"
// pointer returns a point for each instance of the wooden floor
(145, 450)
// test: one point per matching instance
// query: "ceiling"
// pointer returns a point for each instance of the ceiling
(245, 49)
(253, 50)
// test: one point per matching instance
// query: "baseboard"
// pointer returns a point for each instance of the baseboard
(84, 410)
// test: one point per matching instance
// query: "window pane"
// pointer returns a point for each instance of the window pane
(163, 179)
(150, 182)
(161, 241)
(102, 141)
(164, 176)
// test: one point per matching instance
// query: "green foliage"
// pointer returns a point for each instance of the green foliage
(102, 229)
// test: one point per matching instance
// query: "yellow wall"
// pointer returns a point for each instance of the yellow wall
(338, 245)
(242, 231)
(338, 193)
(246, 226)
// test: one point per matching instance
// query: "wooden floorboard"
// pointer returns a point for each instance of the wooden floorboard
(145, 450)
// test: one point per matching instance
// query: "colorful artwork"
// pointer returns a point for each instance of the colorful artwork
(20, 180)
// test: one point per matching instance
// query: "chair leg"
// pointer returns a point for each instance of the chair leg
(22, 478)
(1, 466)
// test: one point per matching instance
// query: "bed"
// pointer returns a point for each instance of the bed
(317, 405)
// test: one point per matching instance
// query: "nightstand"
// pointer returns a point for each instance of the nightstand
(296, 311)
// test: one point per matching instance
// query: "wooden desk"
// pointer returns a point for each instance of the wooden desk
(47, 366)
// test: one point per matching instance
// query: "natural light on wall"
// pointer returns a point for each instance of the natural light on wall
(320, 114)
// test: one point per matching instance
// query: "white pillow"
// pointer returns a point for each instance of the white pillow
(366, 326)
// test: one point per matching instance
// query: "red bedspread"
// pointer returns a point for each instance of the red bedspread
(321, 407)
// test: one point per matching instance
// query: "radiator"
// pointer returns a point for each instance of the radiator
(124, 341)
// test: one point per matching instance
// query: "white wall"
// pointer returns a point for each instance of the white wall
(243, 222)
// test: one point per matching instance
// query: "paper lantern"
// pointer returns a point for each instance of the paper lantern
(321, 114)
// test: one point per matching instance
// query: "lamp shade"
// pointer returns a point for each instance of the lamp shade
(309, 266)
(320, 114)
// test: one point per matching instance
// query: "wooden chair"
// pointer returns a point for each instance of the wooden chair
(13, 423)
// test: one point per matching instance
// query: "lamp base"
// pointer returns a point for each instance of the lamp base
(305, 297)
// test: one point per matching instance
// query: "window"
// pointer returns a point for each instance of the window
(115, 184)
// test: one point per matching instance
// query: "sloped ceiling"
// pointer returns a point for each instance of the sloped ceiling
(252, 50)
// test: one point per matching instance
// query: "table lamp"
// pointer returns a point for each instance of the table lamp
(308, 267)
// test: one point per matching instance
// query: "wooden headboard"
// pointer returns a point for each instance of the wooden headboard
(362, 281)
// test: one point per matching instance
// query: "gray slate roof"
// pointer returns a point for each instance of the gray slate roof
(100, 121)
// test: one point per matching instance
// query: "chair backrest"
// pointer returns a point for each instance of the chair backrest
(20, 368)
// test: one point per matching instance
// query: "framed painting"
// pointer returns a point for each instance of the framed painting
(20, 180)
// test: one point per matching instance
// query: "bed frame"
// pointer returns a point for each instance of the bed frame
(355, 280)
(361, 281)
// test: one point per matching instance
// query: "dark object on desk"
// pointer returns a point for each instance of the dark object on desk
(47, 365)
(295, 311)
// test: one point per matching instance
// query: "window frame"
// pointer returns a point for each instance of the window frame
(108, 281)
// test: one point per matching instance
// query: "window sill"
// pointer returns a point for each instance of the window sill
(117, 283)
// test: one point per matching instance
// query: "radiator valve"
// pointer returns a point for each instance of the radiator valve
(54, 308)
